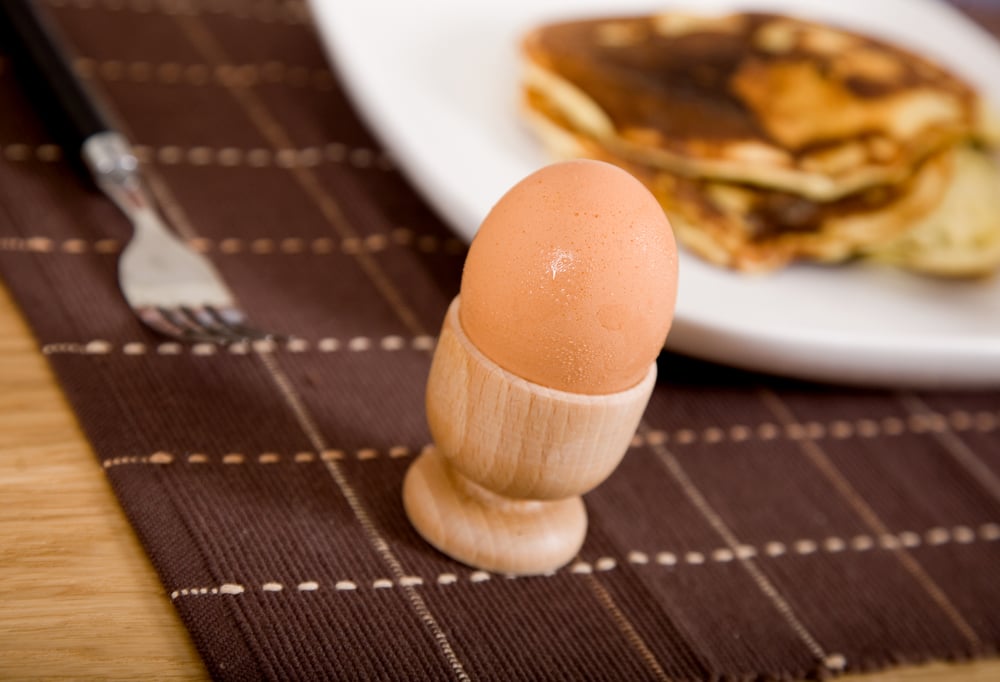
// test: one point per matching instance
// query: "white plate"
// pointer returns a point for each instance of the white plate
(438, 82)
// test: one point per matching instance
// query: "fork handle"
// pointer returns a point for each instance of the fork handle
(37, 50)
(73, 112)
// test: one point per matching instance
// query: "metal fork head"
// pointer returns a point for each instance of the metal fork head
(203, 324)
(177, 291)
(172, 288)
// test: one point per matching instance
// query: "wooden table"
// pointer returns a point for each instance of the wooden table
(78, 598)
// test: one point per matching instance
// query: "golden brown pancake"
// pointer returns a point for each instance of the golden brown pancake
(961, 237)
(756, 229)
(757, 99)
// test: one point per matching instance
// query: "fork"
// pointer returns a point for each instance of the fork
(171, 288)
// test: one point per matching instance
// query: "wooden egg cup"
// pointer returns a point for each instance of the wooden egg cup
(501, 488)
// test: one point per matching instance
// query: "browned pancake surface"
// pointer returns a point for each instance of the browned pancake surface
(757, 98)
(756, 229)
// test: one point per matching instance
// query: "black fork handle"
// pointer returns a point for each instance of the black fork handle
(46, 69)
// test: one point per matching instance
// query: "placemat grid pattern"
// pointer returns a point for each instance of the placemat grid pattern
(757, 528)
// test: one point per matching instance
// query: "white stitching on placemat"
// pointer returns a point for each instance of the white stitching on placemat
(262, 157)
(357, 344)
(934, 537)
(839, 429)
(261, 246)
(264, 458)
(157, 458)
(226, 157)
(19, 151)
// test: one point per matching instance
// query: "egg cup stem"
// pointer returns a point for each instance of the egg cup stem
(501, 488)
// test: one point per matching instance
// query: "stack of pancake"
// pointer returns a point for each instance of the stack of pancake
(769, 139)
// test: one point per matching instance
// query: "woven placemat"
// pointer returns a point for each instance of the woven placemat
(757, 528)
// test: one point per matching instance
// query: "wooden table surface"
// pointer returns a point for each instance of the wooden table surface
(78, 598)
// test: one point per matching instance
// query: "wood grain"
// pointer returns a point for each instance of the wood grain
(78, 598)
(501, 490)
(520, 439)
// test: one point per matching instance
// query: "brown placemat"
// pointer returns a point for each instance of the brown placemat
(758, 528)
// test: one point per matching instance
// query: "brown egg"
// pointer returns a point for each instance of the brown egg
(571, 280)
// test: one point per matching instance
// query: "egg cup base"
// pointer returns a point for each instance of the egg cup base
(488, 531)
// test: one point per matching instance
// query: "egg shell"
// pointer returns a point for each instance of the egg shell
(571, 279)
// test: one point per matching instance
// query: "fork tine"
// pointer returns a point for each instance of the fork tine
(153, 318)
(191, 330)
(208, 322)
(233, 320)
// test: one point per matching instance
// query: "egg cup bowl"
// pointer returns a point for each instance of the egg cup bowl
(501, 488)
